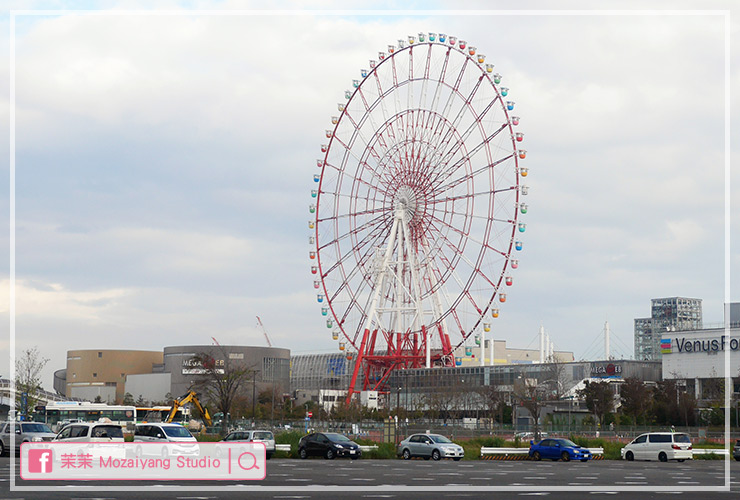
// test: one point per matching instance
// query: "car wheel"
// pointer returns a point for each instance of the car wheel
(629, 456)
(681, 460)
(663, 457)
(737, 458)
(536, 455)
(2, 449)
(436, 455)
(268, 456)
(303, 453)
(565, 456)
(330, 454)
(406, 454)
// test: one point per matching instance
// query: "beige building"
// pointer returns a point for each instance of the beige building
(503, 355)
(101, 372)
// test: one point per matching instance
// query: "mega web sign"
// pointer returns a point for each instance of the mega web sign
(683, 345)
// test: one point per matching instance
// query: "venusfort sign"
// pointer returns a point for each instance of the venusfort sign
(704, 345)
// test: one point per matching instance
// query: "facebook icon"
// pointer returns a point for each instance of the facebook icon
(39, 461)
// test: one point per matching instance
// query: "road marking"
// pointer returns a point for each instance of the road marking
(362, 479)
(377, 496)
(422, 479)
(538, 494)
(688, 482)
(297, 479)
(533, 477)
(603, 492)
(291, 496)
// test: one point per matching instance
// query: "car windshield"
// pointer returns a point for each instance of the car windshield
(263, 435)
(111, 431)
(337, 438)
(177, 432)
(439, 439)
(566, 442)
(681, 438)
(35, 428)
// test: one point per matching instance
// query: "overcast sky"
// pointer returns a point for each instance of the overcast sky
(164, 164)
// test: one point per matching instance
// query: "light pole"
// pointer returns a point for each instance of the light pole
(254, 396)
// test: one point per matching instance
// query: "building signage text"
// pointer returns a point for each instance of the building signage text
(706, 345)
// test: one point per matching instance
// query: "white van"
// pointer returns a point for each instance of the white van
(157, 433)
(92, 432)
(661, 446)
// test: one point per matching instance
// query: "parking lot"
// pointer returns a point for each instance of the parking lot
(319, 478)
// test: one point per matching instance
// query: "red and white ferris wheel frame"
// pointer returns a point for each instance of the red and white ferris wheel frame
(417, 206)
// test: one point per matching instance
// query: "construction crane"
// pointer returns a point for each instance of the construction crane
(259, 321)
(187, 398)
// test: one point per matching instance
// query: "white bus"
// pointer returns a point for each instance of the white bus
(59, 413)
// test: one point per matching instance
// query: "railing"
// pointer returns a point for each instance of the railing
(523, 451)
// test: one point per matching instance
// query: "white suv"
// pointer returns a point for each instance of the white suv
(661, 446)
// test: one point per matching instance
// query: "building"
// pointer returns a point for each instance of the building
(270, 364)
(314, 372)
(696, 358)
(93, 373)
(666, 314)
(155, 375)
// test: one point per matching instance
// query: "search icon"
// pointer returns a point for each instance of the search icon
(253, 458)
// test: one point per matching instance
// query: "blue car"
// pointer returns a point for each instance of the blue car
(558, 449)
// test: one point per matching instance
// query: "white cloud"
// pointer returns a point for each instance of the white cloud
(164, 165)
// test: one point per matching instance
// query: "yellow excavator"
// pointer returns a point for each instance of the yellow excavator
(191, 396)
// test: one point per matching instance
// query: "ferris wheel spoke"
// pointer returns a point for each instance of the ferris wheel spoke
(454, 91)
(467, 237)
(473, 267)
(469, 176)
(367, 225)
(468, 196)
(355, 214)
(343, 173)
(450, 171)
(455, 147)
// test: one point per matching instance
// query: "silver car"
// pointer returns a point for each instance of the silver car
(265, 437)
(25, 432)
(434, 446)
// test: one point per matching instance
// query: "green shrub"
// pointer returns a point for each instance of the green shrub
(291, 438)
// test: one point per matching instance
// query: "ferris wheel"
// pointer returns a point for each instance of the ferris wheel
(416, 207)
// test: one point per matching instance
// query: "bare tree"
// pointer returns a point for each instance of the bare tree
(531, 396)
(28, 368)
(441, 402)
(493, 398)
(556, 377)
(222, 380)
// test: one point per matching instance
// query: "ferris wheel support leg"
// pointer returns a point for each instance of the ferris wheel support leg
(356, 370)
(427, 346)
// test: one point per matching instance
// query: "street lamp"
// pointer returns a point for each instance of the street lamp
(254, 396)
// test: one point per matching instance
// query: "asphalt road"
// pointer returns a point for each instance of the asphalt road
(319, 479)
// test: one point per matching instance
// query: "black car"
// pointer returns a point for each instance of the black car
(328, 445)
(736, 451)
